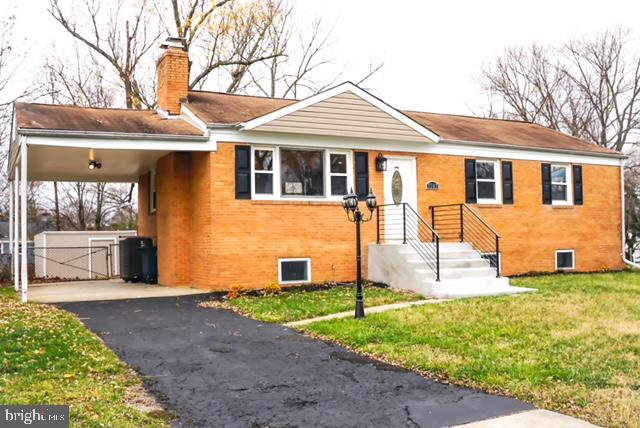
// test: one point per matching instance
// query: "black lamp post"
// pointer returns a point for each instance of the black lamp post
(350, 205)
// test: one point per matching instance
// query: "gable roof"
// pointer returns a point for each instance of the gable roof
(344, 110)
(49, 117)
(231, 109)
(503, 132)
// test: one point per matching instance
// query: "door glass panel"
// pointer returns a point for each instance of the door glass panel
(396, 187)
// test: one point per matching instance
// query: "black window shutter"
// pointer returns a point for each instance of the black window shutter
(577, 185)
(470, 181)
(546, 183)
(507, 182)
(243, 172)
(362, 174)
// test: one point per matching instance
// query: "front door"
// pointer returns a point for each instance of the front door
(400, 186)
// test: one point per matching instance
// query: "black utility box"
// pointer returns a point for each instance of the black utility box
(132, 250)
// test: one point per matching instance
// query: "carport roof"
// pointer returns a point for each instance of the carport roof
(35, 116)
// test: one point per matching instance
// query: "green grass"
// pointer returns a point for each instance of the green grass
(47, 356)
(297, 304)
(573, 347)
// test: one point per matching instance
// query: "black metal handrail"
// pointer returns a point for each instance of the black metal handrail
(461, 222)
(400, 222)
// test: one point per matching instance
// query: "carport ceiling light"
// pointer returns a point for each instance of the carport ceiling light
(94, 165)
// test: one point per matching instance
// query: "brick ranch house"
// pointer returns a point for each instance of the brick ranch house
(244, 190)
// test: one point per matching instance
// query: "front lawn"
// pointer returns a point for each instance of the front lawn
(47, 356)
(573, 347)
(299, 304)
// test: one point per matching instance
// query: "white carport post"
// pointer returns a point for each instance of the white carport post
(23, 219)
(13, 255)
(16, 222)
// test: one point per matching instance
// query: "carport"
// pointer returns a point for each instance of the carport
(68, 143)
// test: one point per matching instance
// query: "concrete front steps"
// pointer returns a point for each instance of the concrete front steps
(463, 271)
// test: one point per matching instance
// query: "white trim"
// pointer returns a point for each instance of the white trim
(16, 228)
(301, 259)
(277, 191)
(124, 143)
(275, 172)
(497, 181)
(24, 275)
(11, 236)
(573, 259)
(336, 90)
(442, 148)
(347, 172)
(191, 118)
(44, 255)
(568, 183)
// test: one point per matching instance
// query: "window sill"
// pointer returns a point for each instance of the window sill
(293, 202)
(562, 207)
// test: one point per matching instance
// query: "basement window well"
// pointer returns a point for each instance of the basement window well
(294, 271)
(565, 260)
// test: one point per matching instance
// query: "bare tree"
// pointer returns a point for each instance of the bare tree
(589, 88)
(121, 35)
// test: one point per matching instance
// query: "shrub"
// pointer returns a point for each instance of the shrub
(236, 291)
(272, 289)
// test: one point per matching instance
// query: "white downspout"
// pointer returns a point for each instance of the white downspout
(624, 232)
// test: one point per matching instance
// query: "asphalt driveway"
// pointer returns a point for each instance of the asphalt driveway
(214, 368)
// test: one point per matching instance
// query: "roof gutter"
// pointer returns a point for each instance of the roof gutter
(541, 149)
(111, 135)
(214, 125)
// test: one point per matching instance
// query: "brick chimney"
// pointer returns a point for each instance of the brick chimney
(173, 75)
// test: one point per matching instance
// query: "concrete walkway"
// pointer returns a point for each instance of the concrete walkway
(216, 368)
(371, 310)
(533, 419)
(111, 289)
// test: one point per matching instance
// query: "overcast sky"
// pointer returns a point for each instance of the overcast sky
(432, 50)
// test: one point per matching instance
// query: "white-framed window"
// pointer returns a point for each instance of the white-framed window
(300, 173)
(561, 188)
(488, 189)
(263, 160)
(294, 271)
(338, 171)
(153, 196)
(565, 259)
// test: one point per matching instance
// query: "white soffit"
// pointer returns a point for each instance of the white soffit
(345, 111)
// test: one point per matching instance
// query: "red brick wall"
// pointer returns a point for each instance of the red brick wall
(211, 240)
(173, 217)
(146, 219)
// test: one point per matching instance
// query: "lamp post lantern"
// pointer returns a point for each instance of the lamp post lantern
(350, 205)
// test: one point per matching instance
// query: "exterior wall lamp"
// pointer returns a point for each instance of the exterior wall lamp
(381, 163)
(94, 164)
(350, 205)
